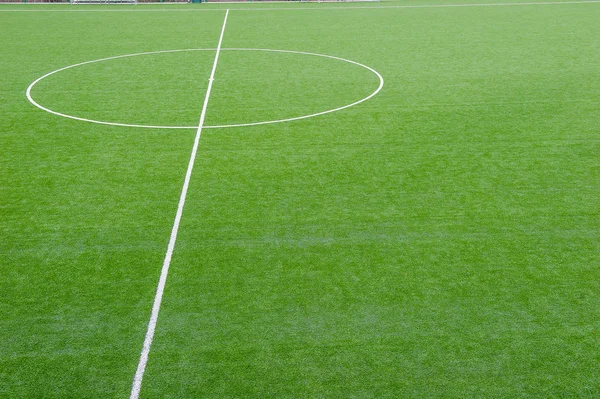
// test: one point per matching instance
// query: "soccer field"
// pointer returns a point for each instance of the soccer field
(395, 199)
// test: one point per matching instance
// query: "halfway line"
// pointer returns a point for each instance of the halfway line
(139, 374)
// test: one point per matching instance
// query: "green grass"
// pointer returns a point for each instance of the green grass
(439, 240)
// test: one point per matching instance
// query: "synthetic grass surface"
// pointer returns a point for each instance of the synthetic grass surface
(439, 240)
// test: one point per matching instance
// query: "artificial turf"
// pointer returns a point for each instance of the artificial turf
(438, 240)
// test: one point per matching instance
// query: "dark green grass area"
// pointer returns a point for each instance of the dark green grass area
(439, 240)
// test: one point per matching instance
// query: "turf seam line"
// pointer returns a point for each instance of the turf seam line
(139, 375)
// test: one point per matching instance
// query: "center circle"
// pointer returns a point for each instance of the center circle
(230, 125)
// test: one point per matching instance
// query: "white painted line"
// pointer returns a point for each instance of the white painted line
(318, 113)
(316, 7)
(408, 6)
(139, 375)
(31, 86)
(31, 100)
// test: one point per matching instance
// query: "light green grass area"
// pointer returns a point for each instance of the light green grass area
(441, 239)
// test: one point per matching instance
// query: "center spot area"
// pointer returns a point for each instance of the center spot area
(168, 88)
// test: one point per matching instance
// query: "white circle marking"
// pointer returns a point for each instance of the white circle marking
(31, 100)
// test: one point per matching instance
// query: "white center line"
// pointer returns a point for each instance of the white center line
(139, 374)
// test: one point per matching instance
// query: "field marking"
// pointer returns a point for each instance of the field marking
(381, 82)
(374, 93)
(31, 100)
(316, 7)
(139, 374)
